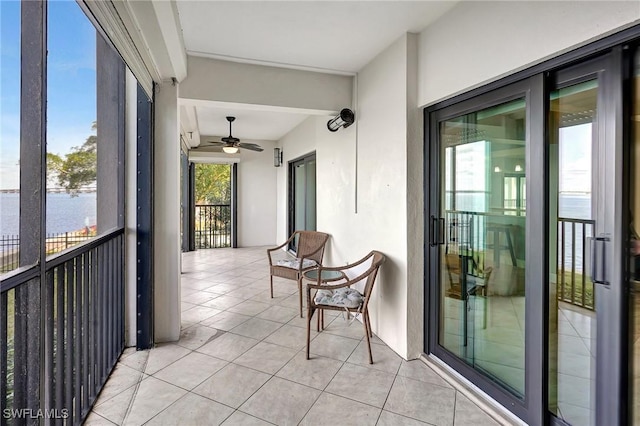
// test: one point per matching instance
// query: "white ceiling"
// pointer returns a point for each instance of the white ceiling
(329, 36)
(249, 124)
(323, 35)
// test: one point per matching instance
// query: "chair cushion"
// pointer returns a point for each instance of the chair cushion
(344, 297)
(295, 263)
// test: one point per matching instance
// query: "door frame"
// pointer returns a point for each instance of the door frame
(291, 198)
(532, 90)
(613, 405)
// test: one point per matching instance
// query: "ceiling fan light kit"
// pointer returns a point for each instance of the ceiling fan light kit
(344, 119)
(231, 145)
(230, 149)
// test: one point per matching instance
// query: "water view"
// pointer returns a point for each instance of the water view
(64, 213)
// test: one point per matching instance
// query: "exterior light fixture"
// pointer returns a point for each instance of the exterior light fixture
(344, 119)
(230, 149)
(277, 157)
(518, 168)
(497, 169)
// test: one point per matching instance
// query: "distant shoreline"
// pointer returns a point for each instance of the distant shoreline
(65, 212)
(53, 191)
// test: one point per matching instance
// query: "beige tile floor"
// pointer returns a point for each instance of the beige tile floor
(241, 360)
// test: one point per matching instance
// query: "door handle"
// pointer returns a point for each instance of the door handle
(598, 260)
(432, 231)
(436, 237)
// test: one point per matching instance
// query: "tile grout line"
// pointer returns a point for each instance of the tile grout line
(137, 386)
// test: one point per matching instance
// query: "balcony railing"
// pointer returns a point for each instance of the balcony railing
(61, 334)
(574, 286)
(467, 231)
(213, 225)
(10, 246)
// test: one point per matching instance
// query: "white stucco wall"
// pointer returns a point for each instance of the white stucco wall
(373, 181)
(166, 223)
(480, 41)
(381, 221)
(295, 144)
(257, 196)
(415, 207)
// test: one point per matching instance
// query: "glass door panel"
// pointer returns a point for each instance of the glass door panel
(302, 196)
(310, 213)
(573, 319)
(482, 256)
(299, 197)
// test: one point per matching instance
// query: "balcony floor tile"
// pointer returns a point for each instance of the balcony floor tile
(241, 361)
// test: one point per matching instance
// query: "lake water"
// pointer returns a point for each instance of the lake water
(64, 213)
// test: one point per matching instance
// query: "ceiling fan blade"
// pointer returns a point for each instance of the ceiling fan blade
(251, 146)
(214, 143)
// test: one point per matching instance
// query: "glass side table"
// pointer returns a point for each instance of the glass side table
(325, 276)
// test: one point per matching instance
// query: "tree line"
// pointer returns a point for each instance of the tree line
(78, 169)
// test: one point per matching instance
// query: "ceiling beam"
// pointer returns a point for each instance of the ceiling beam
(158, 27)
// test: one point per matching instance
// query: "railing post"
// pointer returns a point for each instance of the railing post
(562, 257)
(577, 248)
(573, 262)
(4, 348)
(33, 69)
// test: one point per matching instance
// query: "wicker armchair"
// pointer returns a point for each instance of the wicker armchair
(310, 250)
(359, 278)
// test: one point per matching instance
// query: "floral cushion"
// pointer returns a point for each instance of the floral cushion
(295, 263)
(344, 297)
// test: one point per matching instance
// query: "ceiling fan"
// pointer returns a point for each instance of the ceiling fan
(230, 145)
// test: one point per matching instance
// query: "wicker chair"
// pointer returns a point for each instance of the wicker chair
(310, 250)
(359, 276)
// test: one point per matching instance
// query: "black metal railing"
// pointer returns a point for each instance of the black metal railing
(10, 246)
(81, 298)
(574, 285)
(213, 225)
(467, 232)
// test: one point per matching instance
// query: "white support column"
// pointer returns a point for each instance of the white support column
(130, 214)
(166, 203)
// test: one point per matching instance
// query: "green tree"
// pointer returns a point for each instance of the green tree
(213, 184)
(75, 169)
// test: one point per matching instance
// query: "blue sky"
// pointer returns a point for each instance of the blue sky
(71, 82)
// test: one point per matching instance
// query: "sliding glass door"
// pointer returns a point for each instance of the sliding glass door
(482, 258)
(302, 195)
(528, 234)
(482, 270)
(586, 238)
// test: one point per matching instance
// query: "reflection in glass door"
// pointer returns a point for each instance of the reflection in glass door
(587, 232)
(572, 307)
(482, 235)
(540, 164)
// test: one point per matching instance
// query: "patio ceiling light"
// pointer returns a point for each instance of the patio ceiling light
(344, 119)
(230, 149)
